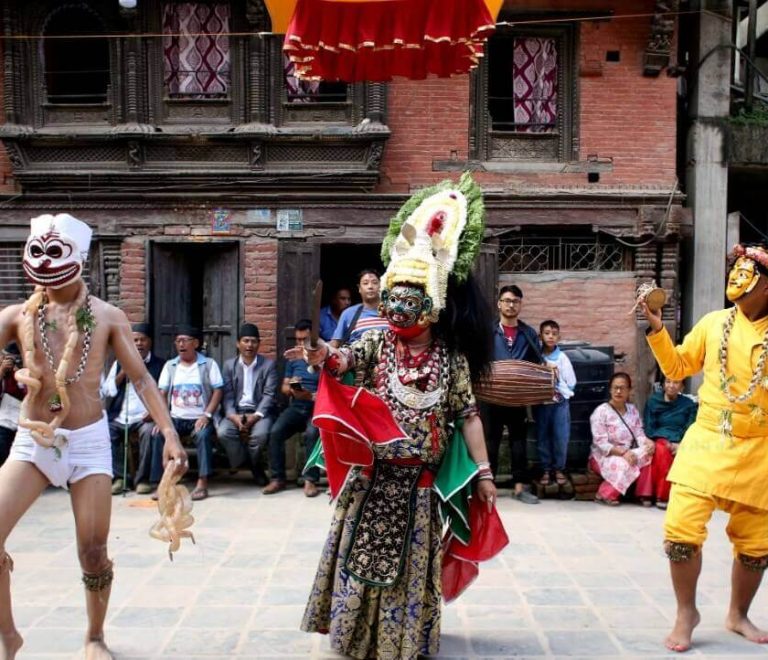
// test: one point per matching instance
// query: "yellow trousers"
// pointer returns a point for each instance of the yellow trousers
(689, 512)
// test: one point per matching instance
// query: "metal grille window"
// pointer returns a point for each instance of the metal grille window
(534, 254)
(14, 287)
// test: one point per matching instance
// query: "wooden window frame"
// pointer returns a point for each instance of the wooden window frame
(561, 145)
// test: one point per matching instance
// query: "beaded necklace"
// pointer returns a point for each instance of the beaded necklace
(726, 416)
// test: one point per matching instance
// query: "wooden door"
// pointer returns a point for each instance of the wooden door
(486, 270)
(221, 302)
(171, 294)
(298, 268)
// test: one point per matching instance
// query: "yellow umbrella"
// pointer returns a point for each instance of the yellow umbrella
(281, 11)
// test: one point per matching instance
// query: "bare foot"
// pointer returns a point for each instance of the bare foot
(679, 639)
(96, 649)
(744, 627)
(10, 645)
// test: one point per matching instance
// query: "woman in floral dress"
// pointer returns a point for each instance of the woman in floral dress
(621, 453)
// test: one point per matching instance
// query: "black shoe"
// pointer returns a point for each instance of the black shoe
(260, 479)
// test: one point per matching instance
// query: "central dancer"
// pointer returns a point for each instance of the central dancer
(384, 566)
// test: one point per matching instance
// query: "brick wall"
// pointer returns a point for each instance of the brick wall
(261, 291)
(6, 175)
(622, 114)
(133, 279)
(588, 306)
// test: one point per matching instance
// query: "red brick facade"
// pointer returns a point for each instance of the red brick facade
(260, 288)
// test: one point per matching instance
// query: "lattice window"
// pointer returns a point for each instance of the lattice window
(524, 96)
(534, 254)
(196, 49)
(76, 70)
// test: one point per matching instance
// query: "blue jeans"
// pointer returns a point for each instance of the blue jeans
(203, 440)
(293, 419)
(553, 427)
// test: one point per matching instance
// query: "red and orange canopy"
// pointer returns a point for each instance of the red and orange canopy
(355, 40)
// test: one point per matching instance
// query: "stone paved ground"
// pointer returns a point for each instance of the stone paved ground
(578, 580)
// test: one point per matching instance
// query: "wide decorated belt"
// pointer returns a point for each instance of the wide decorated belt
(384, 523)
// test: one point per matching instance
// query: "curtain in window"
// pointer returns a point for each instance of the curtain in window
(534, 77)
(196, 48)
(297, 90)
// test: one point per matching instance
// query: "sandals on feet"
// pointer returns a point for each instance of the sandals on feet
(560, 478)
(607, 502)
(199, 494)
(544, 481)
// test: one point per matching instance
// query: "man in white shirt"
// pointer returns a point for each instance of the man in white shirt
(193, 386)
(250, 389)
(126, 414)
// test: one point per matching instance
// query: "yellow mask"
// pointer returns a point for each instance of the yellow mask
(742, 278)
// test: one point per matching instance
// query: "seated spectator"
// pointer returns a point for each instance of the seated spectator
(329, 315)
(193, 386)
(126, 414)
(667, 417)
(299, 385)
(621, 453)
(358, 319)
(11, 394)
(250, 388)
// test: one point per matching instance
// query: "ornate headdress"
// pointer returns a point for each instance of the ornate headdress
(756, 253)
(436, 233)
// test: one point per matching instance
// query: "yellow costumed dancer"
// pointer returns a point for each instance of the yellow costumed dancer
(722, 461)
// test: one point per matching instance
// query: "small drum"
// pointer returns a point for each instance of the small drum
(653, 296)
(517, 383)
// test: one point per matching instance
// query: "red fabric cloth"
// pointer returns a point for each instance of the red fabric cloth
(350, 419)
(378, 40)
(461, 562)
(662, 462)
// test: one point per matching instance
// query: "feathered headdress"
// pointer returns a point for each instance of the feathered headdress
(436, 233)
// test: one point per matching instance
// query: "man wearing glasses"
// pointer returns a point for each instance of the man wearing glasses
(192, 384)
(512, 340)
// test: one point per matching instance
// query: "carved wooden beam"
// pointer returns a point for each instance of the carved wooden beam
(660, 40)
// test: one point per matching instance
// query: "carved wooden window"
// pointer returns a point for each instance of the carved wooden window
(76, 70)
(196, 50)
(524, 97)
(311, 91)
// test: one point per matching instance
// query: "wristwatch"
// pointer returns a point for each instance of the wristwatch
(208, 415)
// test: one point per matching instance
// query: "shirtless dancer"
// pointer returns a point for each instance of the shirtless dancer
(63, 436)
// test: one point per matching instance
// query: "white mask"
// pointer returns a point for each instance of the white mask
(56, 249)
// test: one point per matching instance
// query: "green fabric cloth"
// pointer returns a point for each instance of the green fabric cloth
(453, 484)
(668, 419)
(316, 458)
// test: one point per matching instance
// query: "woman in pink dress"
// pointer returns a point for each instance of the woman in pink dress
(621, 453)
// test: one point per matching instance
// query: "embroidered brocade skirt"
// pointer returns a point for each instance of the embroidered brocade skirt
(388, 623)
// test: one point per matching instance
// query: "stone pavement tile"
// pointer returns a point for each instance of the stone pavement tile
(645, 616)
(559, 618)
(618, 597)
(506, 643)
(68, 616)
(260, 643)
(238, 577)
(613, 579)
(591, 643)
(553, 596)
(52, 640)
(453, 645)
(161, 597)
(137, 642)
(215, 595)
(202, 616)
(146, 617)
(277, 594)
(278, 617)
(711, 642)
(484, 617)
(251, 561)
(644, 642)
(28, 615)
(490, 596)
(188, 642)
(553, 578)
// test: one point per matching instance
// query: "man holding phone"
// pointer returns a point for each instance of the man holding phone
(299, 385)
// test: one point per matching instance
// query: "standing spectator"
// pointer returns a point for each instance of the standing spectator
(250, 388)
(512, 340)
(126, 414)
(364, 316)
(299, 385)
(621, 453)
(667, 417)
(12, 393)
(553, 421)
(329, 315)
(193, 385)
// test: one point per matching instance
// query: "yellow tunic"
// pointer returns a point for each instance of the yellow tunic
(733, 467)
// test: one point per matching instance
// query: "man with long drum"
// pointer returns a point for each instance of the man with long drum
(63, 437)
(722, 461)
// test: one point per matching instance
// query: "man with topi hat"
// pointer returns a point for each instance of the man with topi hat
(250, 388)
(126, 414)
(63, 437)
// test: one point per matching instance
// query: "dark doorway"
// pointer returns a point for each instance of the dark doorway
(340, 265)
(199, 285)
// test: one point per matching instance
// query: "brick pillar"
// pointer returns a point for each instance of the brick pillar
(260, 293)
(133, 279)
